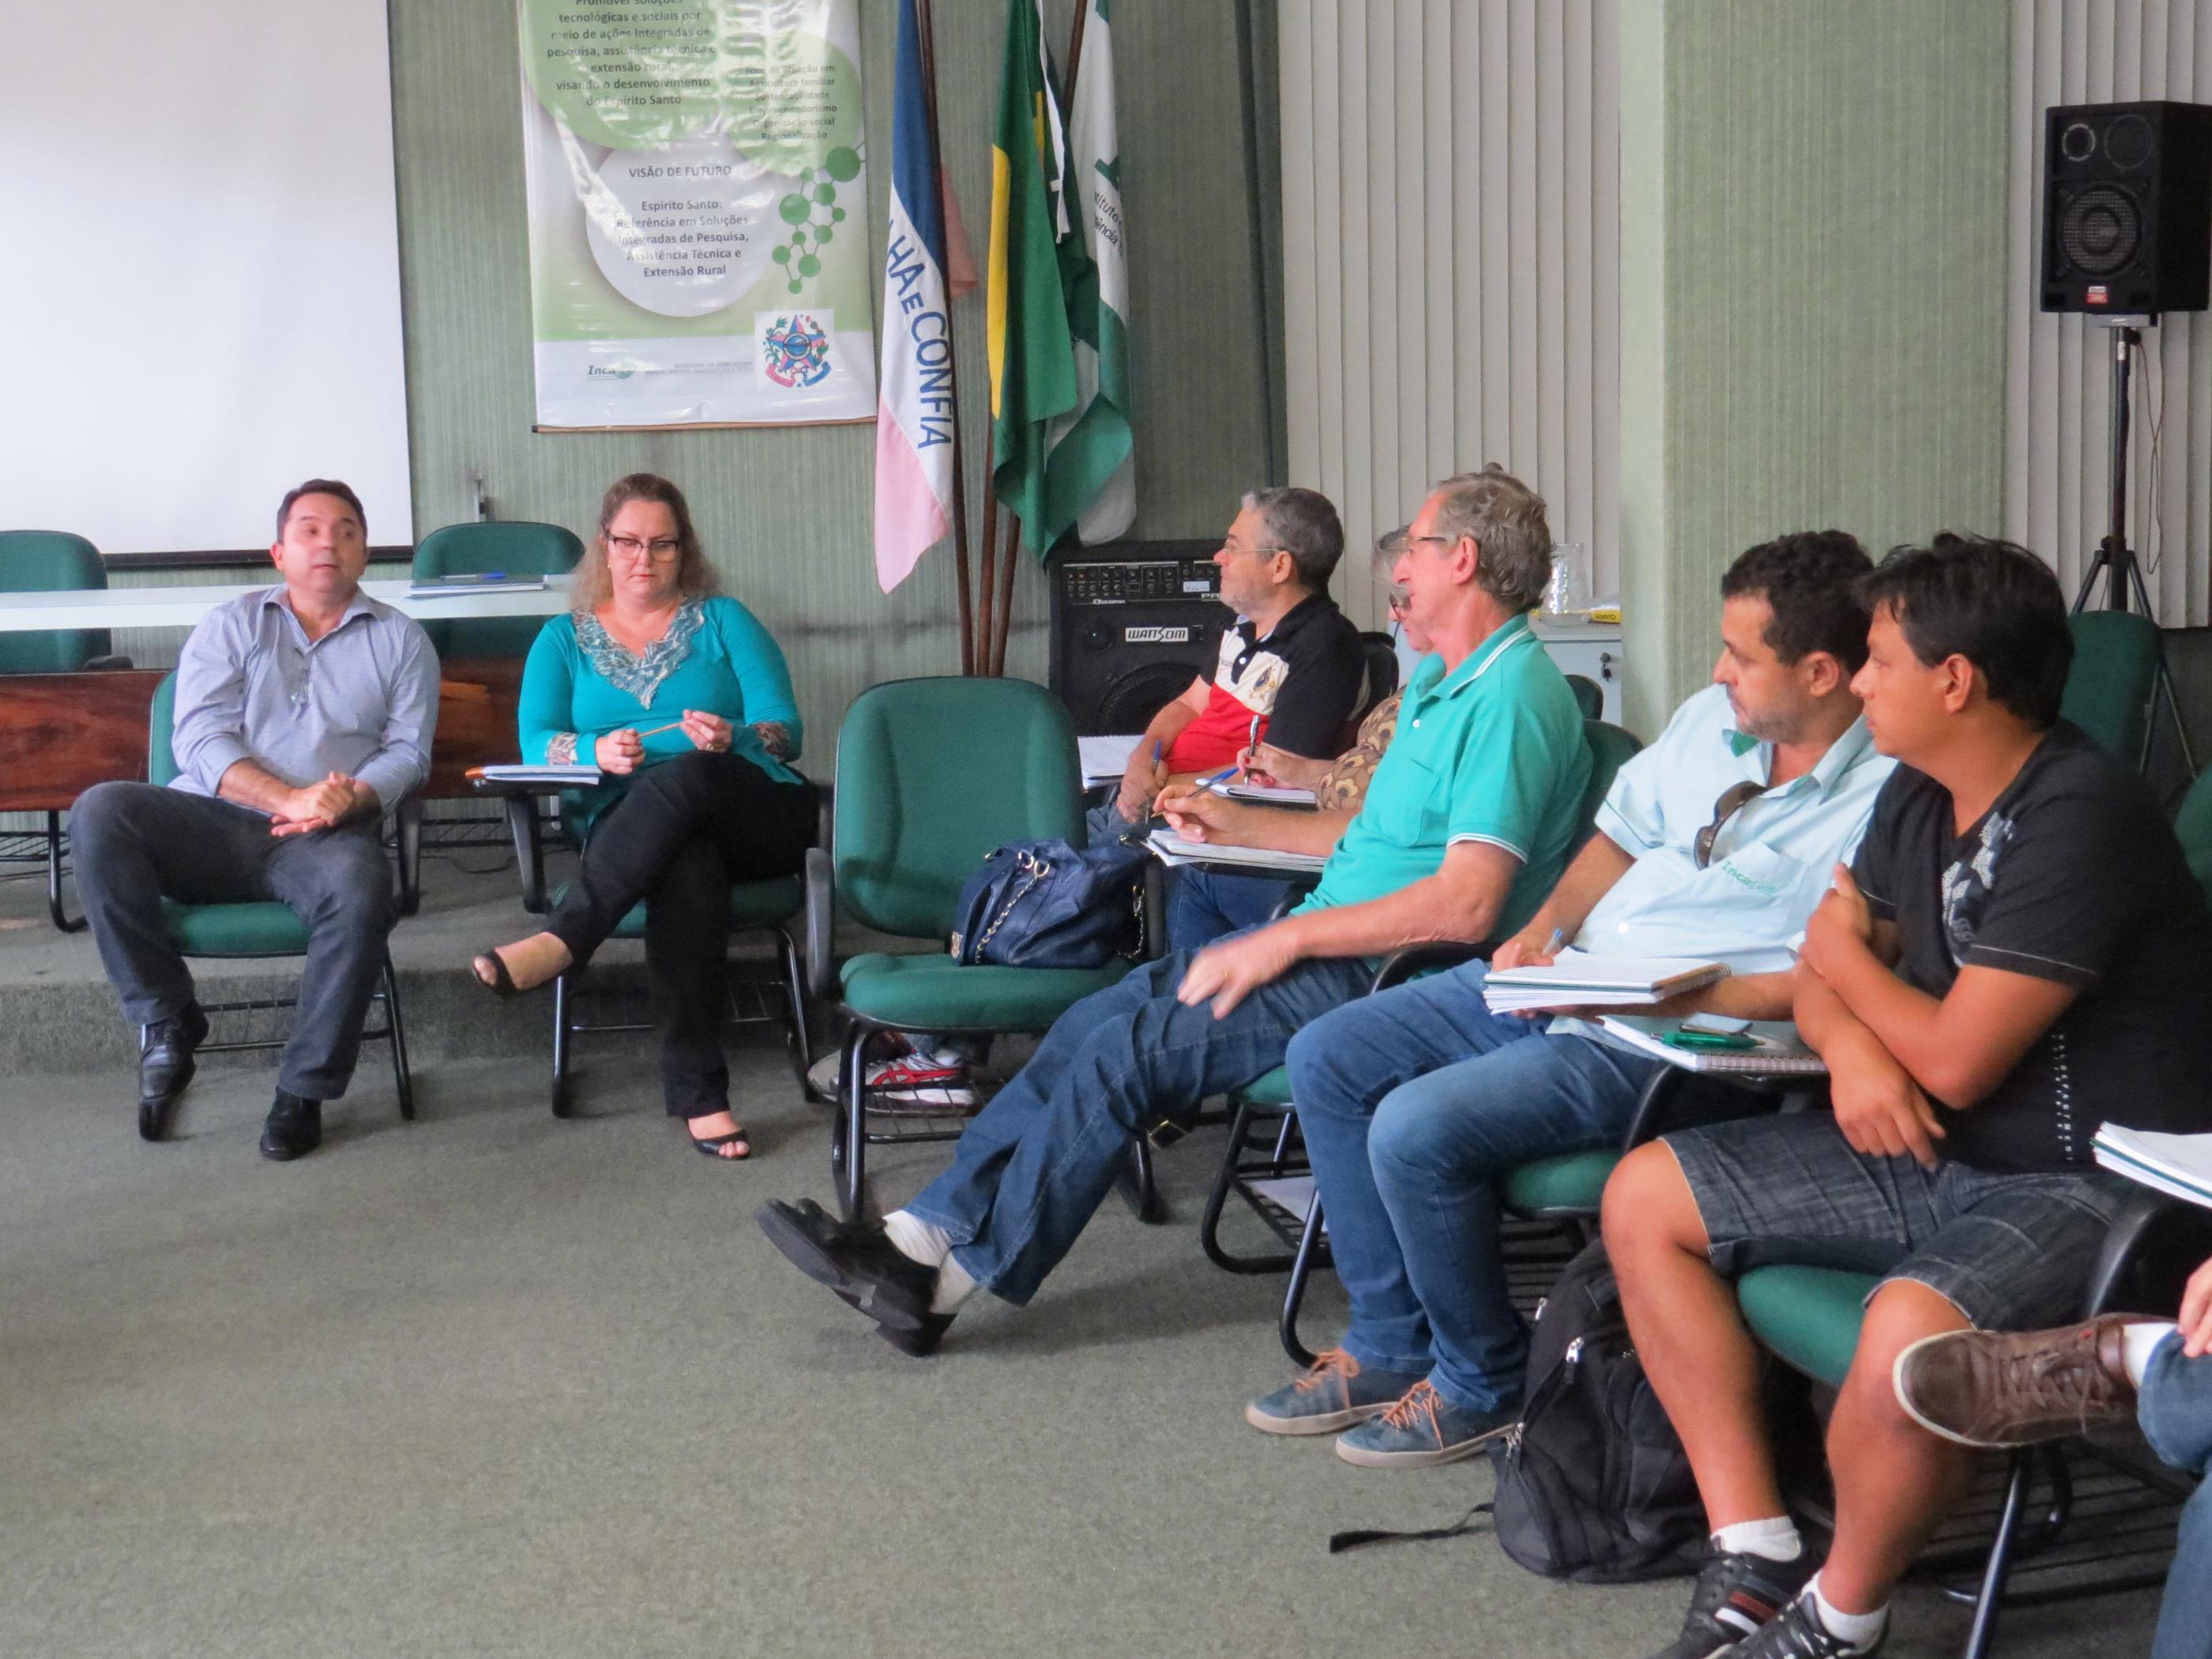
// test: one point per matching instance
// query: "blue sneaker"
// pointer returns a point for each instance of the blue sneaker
(1334, 1393)
(1421, 1429)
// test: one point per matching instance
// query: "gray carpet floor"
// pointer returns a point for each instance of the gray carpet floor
(491, 1383)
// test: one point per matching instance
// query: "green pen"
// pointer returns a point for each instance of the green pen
(1688, 1039)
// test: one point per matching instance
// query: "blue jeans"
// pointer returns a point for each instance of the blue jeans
(1035, 1165)
(1205, 905)
(1415, 1104)
(2175, 1410)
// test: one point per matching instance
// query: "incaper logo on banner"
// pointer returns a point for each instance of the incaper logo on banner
(691, 168)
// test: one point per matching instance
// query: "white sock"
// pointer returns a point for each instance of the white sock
(1775, 1539)
(954, 1287)
(1859, 1630)
(916, 1239)
(2141, 1340)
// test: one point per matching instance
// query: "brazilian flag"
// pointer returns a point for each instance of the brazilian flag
(1036, 256)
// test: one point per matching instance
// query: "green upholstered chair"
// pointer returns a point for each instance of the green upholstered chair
(1809, 1317)
(932, 775)
(1589, 696)
(516, 547)
(46, 562)
(765, 907)
(2116, 658)
(266, 928)
(1264, 1146)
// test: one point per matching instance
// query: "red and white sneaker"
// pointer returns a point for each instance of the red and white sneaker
(921, 1078)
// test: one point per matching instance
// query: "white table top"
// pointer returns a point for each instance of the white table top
(181, 607)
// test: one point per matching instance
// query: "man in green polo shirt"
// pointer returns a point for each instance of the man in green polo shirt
(1467, 824)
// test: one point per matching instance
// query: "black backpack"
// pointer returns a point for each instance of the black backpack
(1592, 1485)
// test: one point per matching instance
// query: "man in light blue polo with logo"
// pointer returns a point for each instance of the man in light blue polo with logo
(1469, 818)
(1715, 843)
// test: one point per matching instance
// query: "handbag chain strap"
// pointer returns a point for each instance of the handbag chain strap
(1036, 870)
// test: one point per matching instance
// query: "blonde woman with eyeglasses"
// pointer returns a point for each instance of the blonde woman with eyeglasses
(681, 698)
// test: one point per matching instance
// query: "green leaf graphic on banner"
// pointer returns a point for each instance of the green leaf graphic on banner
(626, 75)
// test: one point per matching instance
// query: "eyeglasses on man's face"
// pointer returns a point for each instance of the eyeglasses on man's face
(1234, 552)
(1401, 599)
(631, 547)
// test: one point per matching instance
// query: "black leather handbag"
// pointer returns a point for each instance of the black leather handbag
(1048, 904)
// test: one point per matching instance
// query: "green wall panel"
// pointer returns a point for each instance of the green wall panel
(787, 512)
(1813, 277)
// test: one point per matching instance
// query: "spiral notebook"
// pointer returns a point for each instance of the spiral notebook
(1781, 1052)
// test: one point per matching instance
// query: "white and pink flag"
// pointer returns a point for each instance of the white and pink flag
(915, 478)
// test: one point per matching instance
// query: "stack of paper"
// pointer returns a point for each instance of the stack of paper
(2180, 1165)
(489, 581)
(573, 777)
(1267, 794)
(1576, 979)
(1105, 759)
(1172, 849)
(1780, 1051)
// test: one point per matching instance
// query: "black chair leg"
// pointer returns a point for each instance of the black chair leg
(1294, 1293)
(852, 1090)
(1137, 1187)
(794, 987)
(403, 1075)
(1987, 1605)
(561, 1034)
(54, 906)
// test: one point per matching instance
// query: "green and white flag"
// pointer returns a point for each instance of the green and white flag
(1090, 464)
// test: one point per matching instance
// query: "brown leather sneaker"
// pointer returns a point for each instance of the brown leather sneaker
(1998, 1388)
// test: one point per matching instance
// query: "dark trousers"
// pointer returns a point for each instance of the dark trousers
(137, 844)
(677, 838)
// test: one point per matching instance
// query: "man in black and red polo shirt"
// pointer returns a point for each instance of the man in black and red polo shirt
(1292, 662)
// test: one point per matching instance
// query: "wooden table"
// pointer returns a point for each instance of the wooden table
(61, 733)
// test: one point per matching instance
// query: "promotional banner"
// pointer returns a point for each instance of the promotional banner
(698, 195)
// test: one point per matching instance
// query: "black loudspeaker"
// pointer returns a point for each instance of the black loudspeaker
(1131, 624)
(2127, 208)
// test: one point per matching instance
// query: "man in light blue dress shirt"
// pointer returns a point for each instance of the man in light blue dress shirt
(303, 713)
(1715, 843)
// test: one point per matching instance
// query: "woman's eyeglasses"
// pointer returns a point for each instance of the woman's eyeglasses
(664, 547)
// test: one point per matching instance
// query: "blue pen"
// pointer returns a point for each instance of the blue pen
(1214, 782)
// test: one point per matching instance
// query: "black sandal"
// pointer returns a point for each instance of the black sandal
(501, 983)
(711, 1145)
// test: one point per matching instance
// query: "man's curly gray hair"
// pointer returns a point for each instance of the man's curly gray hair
(1510, 530)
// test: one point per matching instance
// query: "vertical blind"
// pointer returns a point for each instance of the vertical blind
(2058, 373)
(1452, 259)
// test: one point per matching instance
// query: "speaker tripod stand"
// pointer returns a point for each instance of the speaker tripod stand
(2114, 561)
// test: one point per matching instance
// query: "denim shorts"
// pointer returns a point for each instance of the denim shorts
(2010, 1252)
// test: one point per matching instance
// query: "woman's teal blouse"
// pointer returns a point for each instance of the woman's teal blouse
(580, 684)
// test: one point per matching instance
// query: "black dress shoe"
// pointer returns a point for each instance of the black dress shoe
(859, 1261)
(918, 1344)
(294, 1127)
(165, 1066)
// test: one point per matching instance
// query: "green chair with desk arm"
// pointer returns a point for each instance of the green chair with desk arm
(1263, 1116)
(1809, 1318)
(932, 775)
(268, 928)
(772, 906)
(48, 562)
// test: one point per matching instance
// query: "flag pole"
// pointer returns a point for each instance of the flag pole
(1075, 45)
(925, 27)
(1006, 593)
(990, 562)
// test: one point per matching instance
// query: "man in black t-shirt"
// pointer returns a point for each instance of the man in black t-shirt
(2017, 955)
